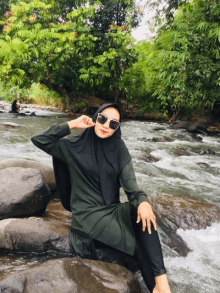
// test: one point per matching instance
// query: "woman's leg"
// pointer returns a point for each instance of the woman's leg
(148, 252)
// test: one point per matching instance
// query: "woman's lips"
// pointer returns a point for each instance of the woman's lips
(103, 131)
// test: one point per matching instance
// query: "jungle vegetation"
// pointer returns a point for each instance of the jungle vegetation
(68, 46)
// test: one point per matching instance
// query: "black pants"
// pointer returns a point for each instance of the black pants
(148, 252)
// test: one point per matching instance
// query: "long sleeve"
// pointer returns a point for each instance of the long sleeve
(129, 184)
(49, 140)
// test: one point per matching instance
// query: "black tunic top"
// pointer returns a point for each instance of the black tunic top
(90, 216)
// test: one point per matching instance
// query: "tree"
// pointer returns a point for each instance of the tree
(36, 47)
(181, 66)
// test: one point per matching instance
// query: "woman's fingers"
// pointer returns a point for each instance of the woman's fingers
(146, 222)
(87, 121)
(138, 218)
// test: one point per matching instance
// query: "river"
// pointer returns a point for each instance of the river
(174, 170)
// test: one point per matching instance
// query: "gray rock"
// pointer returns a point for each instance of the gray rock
(207, 152)
(182, 211)
(198, 128)
(36, 235)
(72, 275)
(180, 125)
(23, 192)
(203, 165)
(27, 163)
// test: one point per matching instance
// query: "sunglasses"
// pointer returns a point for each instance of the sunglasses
(113, 124)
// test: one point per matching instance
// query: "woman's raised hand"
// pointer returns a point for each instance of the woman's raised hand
(146, 215)
(81, 122)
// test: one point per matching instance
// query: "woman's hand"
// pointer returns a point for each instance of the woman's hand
(81, 122)
(145, 213)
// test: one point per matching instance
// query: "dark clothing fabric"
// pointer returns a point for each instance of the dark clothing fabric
(100, 160)
(148, 254)
(91, 218)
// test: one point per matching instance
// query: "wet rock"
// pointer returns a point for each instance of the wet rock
(72, 275)
(36, 235)
(23, 192)
(196, 137)
(32, 114)
(27, 163)
(56, 210)
(207, 152)
(198, 128)
(148, 158)
(20, 114)
(11, 124)
(203, 165)
(159, 129)
(181, 152)
(156, 139)
(180, 125)
(183, 211)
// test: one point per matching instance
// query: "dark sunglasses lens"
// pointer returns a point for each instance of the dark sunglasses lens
(113, 124)
(101, 119)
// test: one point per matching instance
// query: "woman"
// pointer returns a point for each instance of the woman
(89, 169)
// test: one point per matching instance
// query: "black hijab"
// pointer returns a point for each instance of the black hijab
(100, 160)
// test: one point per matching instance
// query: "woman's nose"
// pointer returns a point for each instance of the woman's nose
(106, 125)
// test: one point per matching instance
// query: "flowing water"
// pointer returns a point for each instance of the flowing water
(174, 171)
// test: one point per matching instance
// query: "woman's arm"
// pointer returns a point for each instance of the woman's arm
(129, 184)
(137, 197)
(49, 140)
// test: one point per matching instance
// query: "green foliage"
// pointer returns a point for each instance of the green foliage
(182, 65)
(37, 47)
(37, 93)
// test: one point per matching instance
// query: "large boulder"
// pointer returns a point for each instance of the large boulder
(23, 192)
(180, 125)
(27, 163)
(72, 275)
(37, 235)
(183, 211)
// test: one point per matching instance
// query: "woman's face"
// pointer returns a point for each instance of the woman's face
(103, 130)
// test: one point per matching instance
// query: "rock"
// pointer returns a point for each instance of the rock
(37, 235)
(23, 192)
(32, 114)
(148, 158)
(183, 211)
(196, 137)
(198, 128)
(181, 152)
(27, 163)
(180, 125)
(72, 275)
(21, 114)
(203, 165)
(156, 139)
(207, 152)
(11, 124)
(56, 210)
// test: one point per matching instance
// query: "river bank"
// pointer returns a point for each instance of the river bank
(197, 122)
